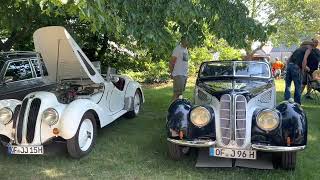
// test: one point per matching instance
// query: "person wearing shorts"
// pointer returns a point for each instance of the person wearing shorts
(178, 67)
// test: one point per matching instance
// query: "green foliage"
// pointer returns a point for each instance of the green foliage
(157, 25)
(156, 72)
(18, 21)
(295, 20)
(287, 22)
(135, 35)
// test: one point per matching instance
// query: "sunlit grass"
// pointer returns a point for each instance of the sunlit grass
(136, 149)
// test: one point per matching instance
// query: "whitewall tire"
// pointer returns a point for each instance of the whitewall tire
(84, 140)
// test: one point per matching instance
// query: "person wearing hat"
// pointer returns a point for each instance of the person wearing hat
(297, 64)
(178, 67)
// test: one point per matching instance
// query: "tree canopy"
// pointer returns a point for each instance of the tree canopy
(156, 25)
(295, 20)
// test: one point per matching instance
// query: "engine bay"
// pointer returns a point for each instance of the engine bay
(70, 90)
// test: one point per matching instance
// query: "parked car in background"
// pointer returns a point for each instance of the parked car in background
(235, 115)
(21, 73)
(82, 101)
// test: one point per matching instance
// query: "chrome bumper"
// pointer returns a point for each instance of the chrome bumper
(267, 148)
(195, 143)
(207, 143)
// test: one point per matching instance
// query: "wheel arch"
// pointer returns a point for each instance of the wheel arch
(96, 116)
(72, 115)
(132, 88)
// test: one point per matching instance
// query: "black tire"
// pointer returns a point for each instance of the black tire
(73, 147)
(132, 114)
(288, 160)
(175, 151)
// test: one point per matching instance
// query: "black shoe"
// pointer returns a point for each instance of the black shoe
(308, 97)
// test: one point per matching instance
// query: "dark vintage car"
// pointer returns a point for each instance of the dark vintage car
(21, 73)
(235, 115)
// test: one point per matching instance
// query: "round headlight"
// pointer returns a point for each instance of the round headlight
(50, 116)
(200, 116)
(5, 115)
(267, 120)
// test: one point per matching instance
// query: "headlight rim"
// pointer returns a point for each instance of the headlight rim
(50, 123)
(275, 112)
(11, 112)
(209, 113)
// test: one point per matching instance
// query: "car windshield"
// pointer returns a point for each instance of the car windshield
(235, 68)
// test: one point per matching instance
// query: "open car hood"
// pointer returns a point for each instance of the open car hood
(62, 55)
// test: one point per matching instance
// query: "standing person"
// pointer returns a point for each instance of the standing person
(296, 65)
(179, 67)
(277, 66)
(312, 65)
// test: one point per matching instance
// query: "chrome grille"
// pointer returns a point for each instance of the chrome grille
(240, 132)
(20, 120)
(225, 119)
(32, 119)
(27, 117)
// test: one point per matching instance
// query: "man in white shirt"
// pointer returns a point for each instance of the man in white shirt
(179, 68)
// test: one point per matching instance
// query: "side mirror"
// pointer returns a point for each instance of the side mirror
(8, 79)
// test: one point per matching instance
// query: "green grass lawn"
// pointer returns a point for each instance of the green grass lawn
(136, 149)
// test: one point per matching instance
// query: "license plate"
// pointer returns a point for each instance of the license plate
(25, 149)
(233, 153)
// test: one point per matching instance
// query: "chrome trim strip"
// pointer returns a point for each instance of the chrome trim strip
(196, 143)
(226, 118)
(242, 100)
(268, 148)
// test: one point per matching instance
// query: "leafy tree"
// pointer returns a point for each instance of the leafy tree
(289, 22)
(157, 25)
(295, 20)
(19, 19)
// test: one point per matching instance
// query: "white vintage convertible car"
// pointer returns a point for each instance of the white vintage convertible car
(83, 101)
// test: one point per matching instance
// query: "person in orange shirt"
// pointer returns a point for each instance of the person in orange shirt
(277, 66)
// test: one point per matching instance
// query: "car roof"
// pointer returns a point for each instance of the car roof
(5, 56)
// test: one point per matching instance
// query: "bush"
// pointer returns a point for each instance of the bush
(157, 72)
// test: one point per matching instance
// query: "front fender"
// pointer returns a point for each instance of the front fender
(7, 129)
(294, 123)
(131, 89)
(72, 115)
(292, 129)
(177, 118)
